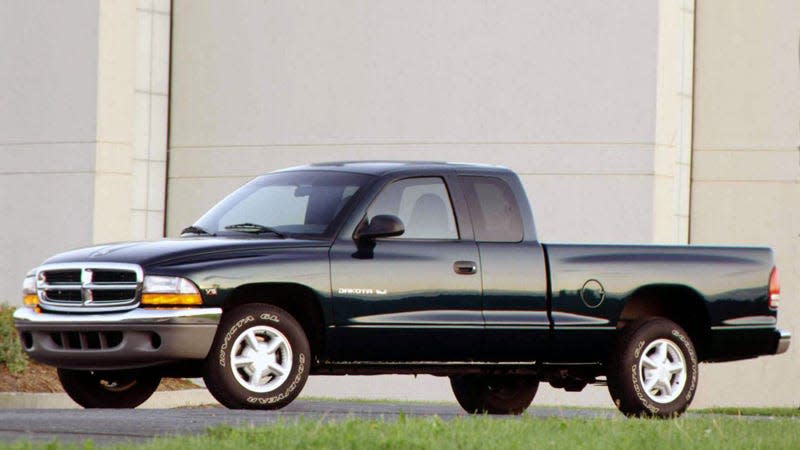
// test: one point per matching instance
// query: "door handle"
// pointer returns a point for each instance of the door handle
(465, 267)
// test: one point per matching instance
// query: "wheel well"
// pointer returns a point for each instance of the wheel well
(681, 304)
(298, 300)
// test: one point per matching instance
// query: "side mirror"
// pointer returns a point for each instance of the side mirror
(381, 226)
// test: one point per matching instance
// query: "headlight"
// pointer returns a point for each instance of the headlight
(29, 296)
(169, 291)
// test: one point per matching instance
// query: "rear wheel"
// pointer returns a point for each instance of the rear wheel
(494, 394)
(108, 389)
(653, 371)
(260, 358)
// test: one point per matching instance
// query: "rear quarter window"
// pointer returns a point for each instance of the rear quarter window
(493, 209)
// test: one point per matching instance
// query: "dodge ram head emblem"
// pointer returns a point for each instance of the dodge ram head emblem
(86, 292)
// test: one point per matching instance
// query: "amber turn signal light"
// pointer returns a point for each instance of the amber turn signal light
(31, 300)
(171, 299)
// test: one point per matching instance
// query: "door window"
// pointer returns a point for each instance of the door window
(422, 204)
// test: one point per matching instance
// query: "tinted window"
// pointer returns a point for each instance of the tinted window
(493, 209)
(423, 205)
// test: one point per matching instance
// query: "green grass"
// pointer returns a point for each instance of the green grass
(490, 433)
(734, 411)
(11, 354)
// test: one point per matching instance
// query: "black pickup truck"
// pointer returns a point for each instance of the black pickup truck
(394, 268)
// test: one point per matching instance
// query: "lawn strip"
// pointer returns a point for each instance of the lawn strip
(485, 432)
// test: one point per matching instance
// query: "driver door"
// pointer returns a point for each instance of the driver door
(414, 297)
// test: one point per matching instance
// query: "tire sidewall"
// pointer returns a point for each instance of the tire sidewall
(219, 374)
(630, 390)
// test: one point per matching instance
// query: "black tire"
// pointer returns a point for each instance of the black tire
(108, 389)
(640, 345)
(494, 394)
(257, 385)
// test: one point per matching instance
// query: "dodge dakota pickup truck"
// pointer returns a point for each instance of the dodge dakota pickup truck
(394, 268)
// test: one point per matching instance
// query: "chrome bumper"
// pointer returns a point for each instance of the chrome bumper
(135, 338)
(784, 338)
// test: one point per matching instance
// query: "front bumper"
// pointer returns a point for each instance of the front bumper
(131, 339)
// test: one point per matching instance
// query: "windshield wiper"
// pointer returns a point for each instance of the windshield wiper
(194, 229)
(248, 227)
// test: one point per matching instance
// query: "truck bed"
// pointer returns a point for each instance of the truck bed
(724, 288)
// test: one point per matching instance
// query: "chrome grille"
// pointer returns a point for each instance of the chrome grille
(86, 287)
(64, 295)
(63, 276)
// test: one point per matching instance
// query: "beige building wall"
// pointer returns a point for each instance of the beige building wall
(116, 44)
(48, 133)
(673, 139)
(83, 125)
(746, 169)
(149, 159)
(555, 91)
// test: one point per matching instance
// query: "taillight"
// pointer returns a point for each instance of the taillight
(774, 289)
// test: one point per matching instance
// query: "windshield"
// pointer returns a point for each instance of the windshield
(285, 204)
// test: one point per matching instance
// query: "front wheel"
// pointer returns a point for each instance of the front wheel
(494, 394)
(653, 371)
(108, 389)
(260, 358)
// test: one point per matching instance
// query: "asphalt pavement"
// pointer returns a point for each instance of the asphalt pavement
(104, 426)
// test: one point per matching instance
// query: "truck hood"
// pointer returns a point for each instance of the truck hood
(180, 251)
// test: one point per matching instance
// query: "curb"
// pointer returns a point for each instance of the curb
(60, 400)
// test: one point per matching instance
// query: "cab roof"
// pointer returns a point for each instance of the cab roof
(379, 168)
